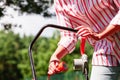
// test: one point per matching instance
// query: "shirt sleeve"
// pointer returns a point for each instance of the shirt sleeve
(68, 39)
(68, 42)
(116, 19)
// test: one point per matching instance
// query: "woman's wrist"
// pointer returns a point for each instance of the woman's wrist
(96, 36)
(54, 58)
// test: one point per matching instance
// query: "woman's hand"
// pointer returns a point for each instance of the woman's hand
(52, 67)
(59, 53)
(84, 31)
(87, 32)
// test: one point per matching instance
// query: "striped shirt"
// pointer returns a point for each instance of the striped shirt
(96, 14)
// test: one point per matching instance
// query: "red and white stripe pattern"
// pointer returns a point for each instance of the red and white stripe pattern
(96, 14)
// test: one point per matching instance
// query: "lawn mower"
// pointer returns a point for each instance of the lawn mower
(79, 64)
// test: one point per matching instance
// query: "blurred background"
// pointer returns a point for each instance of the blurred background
(20, 20)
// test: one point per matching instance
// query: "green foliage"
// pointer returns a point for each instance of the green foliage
(9, 45)
(28, 6)
(1, 13)
(14, 59)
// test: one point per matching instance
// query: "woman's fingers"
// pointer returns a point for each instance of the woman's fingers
(83, 31)
(52, 68)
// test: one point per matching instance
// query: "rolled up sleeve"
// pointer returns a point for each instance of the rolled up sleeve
(116, 19)
(68, 42)
(68, 39)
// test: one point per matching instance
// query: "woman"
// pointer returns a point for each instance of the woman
(99, 22)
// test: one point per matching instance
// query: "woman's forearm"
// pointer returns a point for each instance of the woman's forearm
(59, 53)
(111, 29)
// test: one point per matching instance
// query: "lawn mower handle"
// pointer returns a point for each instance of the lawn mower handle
(36, 37)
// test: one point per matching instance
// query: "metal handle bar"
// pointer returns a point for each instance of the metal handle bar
(36, 37)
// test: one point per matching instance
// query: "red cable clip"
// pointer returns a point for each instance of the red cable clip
(82, 46)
